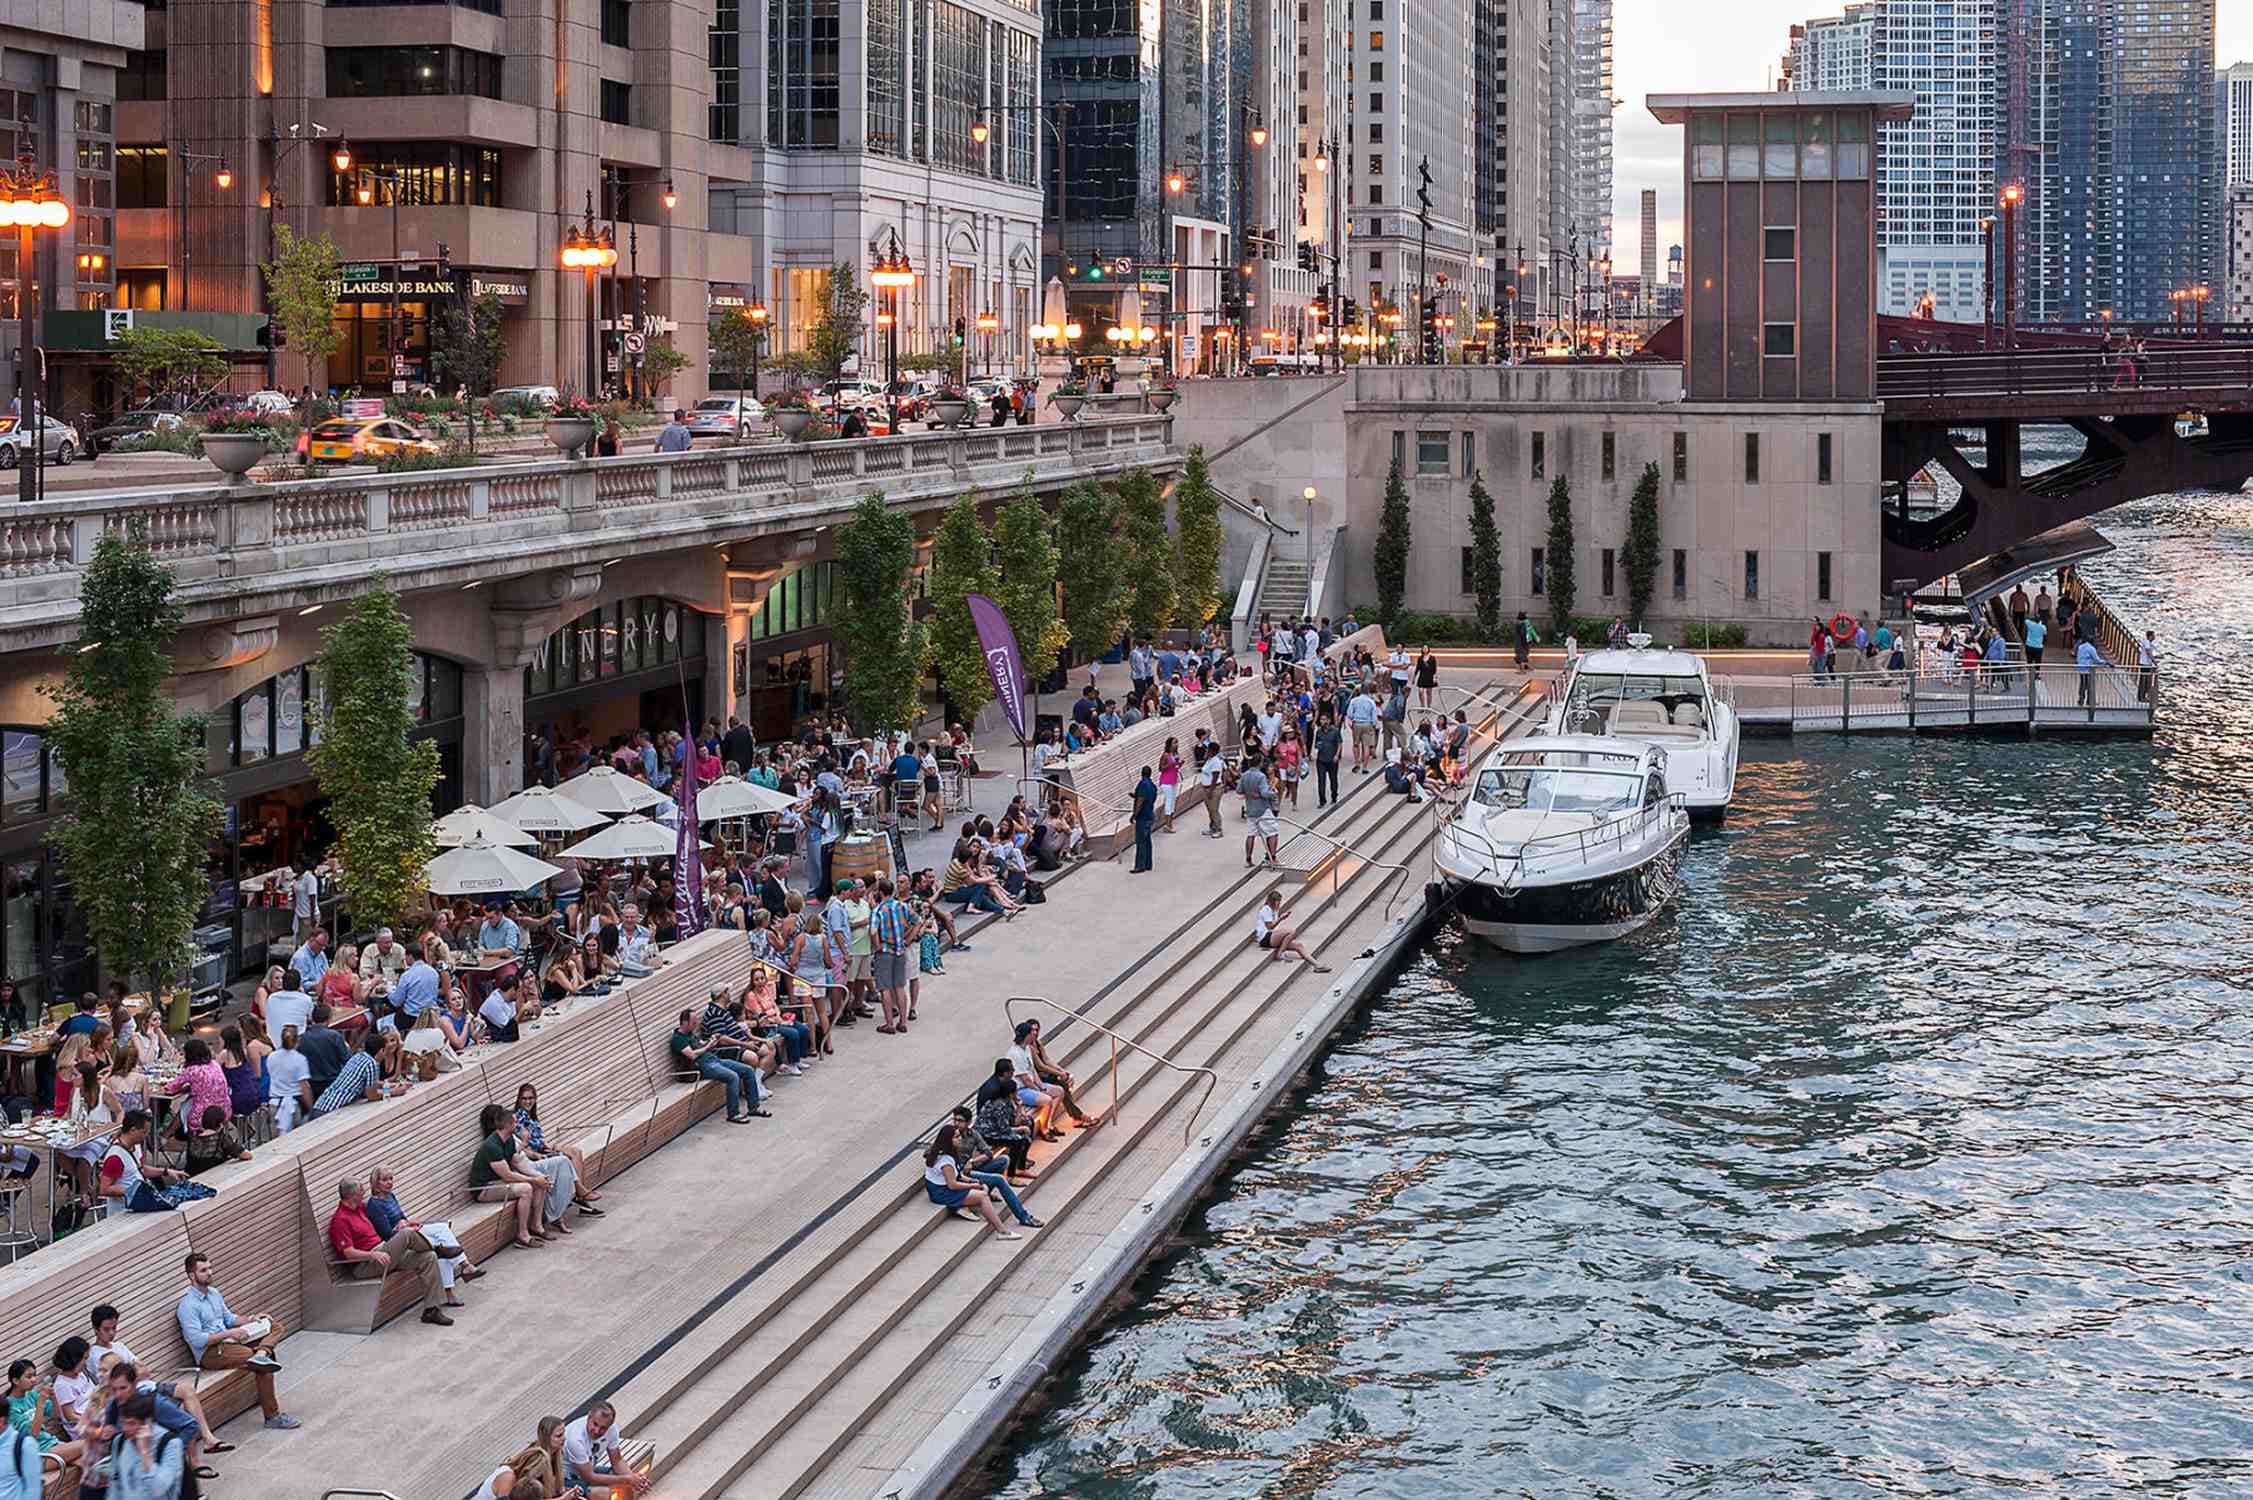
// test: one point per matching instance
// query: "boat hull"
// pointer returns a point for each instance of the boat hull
(1570, 914)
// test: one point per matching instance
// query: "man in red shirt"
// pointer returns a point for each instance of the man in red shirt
(354, 1239)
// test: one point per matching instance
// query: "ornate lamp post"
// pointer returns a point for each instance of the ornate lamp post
(30, 200)
(222, 179)
(892, 274)
(591, 249)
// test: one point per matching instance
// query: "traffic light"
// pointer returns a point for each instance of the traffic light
(1352, 317)
(958, 332)
(445, 260)
(1306, 256)
(1095, 271)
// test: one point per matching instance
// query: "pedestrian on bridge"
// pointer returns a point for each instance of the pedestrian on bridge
(2085, 661)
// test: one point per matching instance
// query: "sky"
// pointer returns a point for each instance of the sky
(1669, 47)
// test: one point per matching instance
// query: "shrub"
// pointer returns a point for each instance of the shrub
(453, 456)
(1699, 636)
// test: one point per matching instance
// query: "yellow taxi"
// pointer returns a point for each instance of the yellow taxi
(361, 439)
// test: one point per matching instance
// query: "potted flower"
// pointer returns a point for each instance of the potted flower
(951, 406)
(571, 427)
(1159, 390)
(791, 409)
(235, 440)
(1069, 397)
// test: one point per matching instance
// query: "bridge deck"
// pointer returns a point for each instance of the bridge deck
(2050, 383)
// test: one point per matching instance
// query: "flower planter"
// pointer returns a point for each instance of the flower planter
(1069, 405)
(234, 454)
(791, 421)
(571, 436)
(951, 413)
(1160, 397)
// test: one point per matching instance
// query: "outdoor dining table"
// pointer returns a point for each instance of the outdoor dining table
(24, 1049)
(52, 1138)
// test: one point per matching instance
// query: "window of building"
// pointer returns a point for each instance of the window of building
(1376, 260)
(1540, 455)
(1681, 573)
(1431, 453)
(1611, 572)
(1822, 575)
(439, 173)
(1611, 456)
(1539, 577)
(1822, 458)
(724, 120)
(617, 23)
(1752, 458)
(1376, 41)
(386, 72)
(1752, 575)
(1705, 147)
(1779, 243)
(1399, 451)
(1376, 133)
(1376, 192)
(617, 102)
(1681, 458)
(1376, 102)
(142, 77)
(802, 81)
(1470, 453)
(1779, 139)
(1779, 338)
(1377, 72)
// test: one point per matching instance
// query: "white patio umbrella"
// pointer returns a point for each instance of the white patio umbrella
(471, 821)
(612, 793)
(481, 867)
(539, 809)
(631, 837)
(733, 797)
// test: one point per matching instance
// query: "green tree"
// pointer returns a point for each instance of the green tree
(1197, 540)
(1642, 544)
(1556, 563)
(736, 343)
(1486, 560)
(301, 283)
(377, 775)
(885, 647)
(961, 564)
(660, 362)
(1092, 567)
(1392, 548)
(170, 361)
(1025, 556)
(137, 835)
(1142, 518)
(835, 336)
(469, 350)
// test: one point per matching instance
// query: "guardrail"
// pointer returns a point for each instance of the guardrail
(1943, 695)
(1212, 1079)
(2154, 373)
(261, 547)
(1578, 841)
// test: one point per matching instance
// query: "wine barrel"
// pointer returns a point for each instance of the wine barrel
(862, 859)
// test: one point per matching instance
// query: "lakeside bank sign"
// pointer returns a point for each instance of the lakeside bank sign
(375, 279)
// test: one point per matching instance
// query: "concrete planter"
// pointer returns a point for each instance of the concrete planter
(951, 413)
(1160, 397)
(234, 454)
(570, 436)
(1069, 405)
(791, 421)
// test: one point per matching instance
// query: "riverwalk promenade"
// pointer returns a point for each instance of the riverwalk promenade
(775, 1306)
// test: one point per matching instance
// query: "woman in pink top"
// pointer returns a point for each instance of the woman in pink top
(1169, 780)
(1287, 765)
(205, 1083)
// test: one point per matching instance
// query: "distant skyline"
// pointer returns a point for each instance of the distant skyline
(1666, 47)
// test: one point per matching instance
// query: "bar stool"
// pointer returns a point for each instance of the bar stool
(15, 1239)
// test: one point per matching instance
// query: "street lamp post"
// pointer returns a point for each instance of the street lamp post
(1987, 289)
(224, 179)
(892, 273)
(2011, 195)
(615, 186)
(366, 195)
(30, 200)
(590, 249)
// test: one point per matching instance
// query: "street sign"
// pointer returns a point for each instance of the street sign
(635, 343)
(116, 320)
(410, 260)
(1157, 279)
(398, 388)
(1122, 266)
(398, 365)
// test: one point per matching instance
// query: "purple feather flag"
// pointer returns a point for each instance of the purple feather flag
(1003, 662)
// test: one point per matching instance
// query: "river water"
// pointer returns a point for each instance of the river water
(1904, 1158)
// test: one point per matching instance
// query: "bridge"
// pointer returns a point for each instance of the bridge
(1952, 403)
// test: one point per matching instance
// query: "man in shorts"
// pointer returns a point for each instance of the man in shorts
(837, 952)
(1259, 809)
(1212, 770)
(890, 925)
(1361, 714)
(862, 969)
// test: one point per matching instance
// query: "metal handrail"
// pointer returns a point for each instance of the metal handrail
(1611, 830)
(1212, 1079)
(370, 1494)
(1342, 847)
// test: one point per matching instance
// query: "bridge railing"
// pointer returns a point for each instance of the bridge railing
(1941, 694)
(2051, 372)
(268, 544)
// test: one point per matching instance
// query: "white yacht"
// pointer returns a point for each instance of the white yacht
(1657, 697)
(1563, 840)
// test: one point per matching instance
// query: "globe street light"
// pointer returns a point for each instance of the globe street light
(892, 273)
(30, 200)
(592, 250)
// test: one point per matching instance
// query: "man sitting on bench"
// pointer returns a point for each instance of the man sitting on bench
(371, 1256)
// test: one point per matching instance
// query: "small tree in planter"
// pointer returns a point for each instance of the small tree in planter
(660, 362)
(885, 646)
(1069, 397)
(377, 776)
(792, 411)
(236, 439)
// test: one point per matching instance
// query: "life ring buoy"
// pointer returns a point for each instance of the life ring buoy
(1843, 625)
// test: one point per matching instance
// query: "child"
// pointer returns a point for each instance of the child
(219, 1141)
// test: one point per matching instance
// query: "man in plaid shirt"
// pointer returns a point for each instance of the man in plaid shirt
(894, 929)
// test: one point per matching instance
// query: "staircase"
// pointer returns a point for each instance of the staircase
(823, 1374)
(1282, 589)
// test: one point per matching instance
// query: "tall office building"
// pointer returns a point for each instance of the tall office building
(2236, 289)
(2234, 104)
(2109, 122)
(1510, 123)
(1411, 78)
(1647, 266)
(1592, 105)
(1937, 168)
(1267, 223)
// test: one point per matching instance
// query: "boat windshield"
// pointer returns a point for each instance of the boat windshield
(1547, 788)
(1660, 704)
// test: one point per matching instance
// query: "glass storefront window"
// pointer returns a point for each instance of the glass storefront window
(255, 717)
(23, 763)
(289, 713)
(635, 635)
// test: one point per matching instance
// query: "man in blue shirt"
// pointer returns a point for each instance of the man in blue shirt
(2085, 662)
(2037, 636)
(87, 1019)
(219, 1340)
(676, 438)
(311, 960)
(499, 933)
(417, 989)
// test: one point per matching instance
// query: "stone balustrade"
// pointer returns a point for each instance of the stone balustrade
(256, 548)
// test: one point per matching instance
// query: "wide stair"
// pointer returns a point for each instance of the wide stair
(823, 1373)
(1282, 588)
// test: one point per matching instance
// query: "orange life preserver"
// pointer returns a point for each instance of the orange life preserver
(1843, 625)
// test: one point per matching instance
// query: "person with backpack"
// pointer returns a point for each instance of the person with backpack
(145, 1462)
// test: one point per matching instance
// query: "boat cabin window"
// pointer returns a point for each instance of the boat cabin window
(1509, 788)
(1654, 790)
(1605, 693)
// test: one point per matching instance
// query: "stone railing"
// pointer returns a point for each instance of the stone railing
(255, 548)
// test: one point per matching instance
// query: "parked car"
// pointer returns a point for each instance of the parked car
(269, 403)
(361, 439)
(850, 392)
(135, 424)
(717, 416)
(530, 395)
(59, 440)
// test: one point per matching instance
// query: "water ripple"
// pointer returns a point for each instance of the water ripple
(1902, 1160)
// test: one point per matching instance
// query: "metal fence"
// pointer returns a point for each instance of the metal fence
(2056, 694)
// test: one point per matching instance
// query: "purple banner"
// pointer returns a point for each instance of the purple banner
(688, 859)
(1003, 662)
